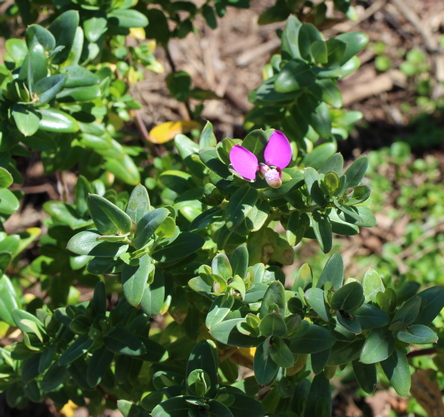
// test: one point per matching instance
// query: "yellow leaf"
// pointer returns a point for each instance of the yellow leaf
(168, 130)
(138, 33)
(68, 409)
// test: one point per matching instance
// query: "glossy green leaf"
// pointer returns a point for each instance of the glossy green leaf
(315, 297)
(154, 295)
(396, 368)
(148, 225)
(9, 203)
(127, 18)
(365, 375)
(319, 360)
(356, 171)
(99, 363)
(81, 93)
(319, 155)
(322, 230)
(107, 217)
(318, 50)
(296, 227)
(138, 203)
(87, 243)
(185, 244)
(274, 300)
(372, 284)
(75, 350)
(272, 325)
(135, 278)
(265, 369)
(307, 35)
(312, 339)
(345, 352)
(371, 317)
(348, 298)
(281, 354)
(378, 346)
(355, 42)
(432, 302)
(36, 34)
(95, 27)
(121, 341)
(290, 44)
(78, 76)
(417, 334)
(227, 332)
(333, 272)
(295, 75)
(240, 204)
(123, 168)
(64, 29)
(53, 377)
(26, 119)
(47, 87)
(319, 398)
(219, 309)
(5, 178)
(9, 300)
(239, 261)
(54, 120)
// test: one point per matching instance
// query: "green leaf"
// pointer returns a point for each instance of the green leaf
(220, 265)
(308, 34)
(273, 325)
(265, 369)
(135, 278)
(318, 50)
(78, 76)
(365, 375)
(53, 120)
(239, 261)
(204, 357)
(333, 272)
(126, 18)
(26, 119)
(179, 85)
(9, 301)
(75, 350)
(219, 309)
(336, 49)
(319, 155)
(296, 227)
(95, 27)
(322, 230)
(417, 334)
(348, 298)
(108, 218)
(98, 365)
(311, 339)
(87, 243)
(355, 42)
(274, 300)
(64, 29)
(396, 368)
(240, 204)
(154, 295)
(408, 312)
(138, 203)
(290, 38)
(371, 317)
(47, 88)
(148, 225)
(53, 377)
(82, 93)
(378, 346)
(345, 352)
(9, 203)
(276, 13)
(226, 332)
(281, 354)
(356, 171)
(315, 297)
(5, 178)
(372, 284)
(295, 74)
(319, 398)
(129, 409)
(123, 342)
(123, 168)
(330, 94)
(185, 244)
(36, 34)
(334, 163)
(432, 302)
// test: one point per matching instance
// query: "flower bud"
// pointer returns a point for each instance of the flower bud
(273, 177)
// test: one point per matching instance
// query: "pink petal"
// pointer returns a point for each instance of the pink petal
(244, 162)
(278, 150)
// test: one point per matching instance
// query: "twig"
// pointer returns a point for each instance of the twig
(144, 132)
(430, 42)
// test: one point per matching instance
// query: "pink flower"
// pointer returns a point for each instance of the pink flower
(277, 155)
